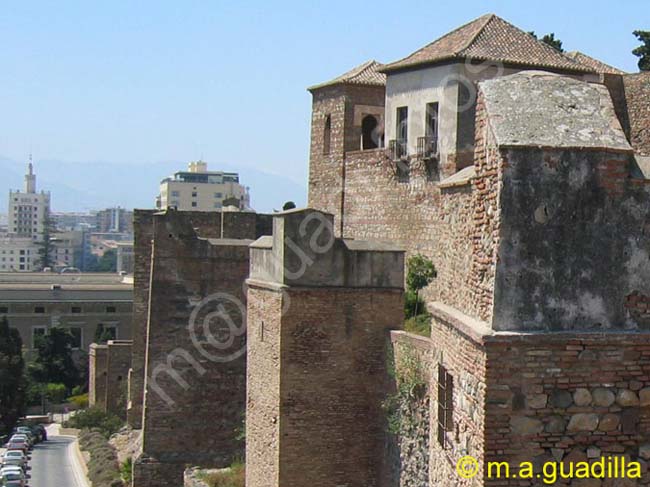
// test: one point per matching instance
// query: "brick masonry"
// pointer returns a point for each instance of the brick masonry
(637, 97)
(97, 363)
(196, 304)
(118, 364)
(317, 363)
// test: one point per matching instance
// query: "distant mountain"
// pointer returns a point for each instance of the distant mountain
(77, 186)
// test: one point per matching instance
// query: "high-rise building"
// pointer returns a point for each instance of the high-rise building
(198, 189)
(26, 222)
(114, 220)
(28, 210)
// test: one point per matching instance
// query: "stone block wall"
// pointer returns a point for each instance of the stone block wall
(118, 364)
(413, 362)
(317, 369)
(195, 345)
(567, 397)
(142, 237)
(97, 371)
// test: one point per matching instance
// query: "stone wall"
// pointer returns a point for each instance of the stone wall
(456, 347)
(118, 364)
(97, 363)
(412, 363)
(195, 343)
(317, 375)
(142, 236)
(567, 397)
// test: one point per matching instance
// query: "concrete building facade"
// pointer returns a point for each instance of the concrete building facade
(28, 210)
(198, 189)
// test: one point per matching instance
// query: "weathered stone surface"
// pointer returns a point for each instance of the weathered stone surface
(523, 426)
(609, 422)
(630, 420)
(603, 397)
(555, 424)
(626, 398)
(537, 401)
(583, 422)
(644, 396)
(561, 399)
(582, 397)
(593, 452)
(644, 451)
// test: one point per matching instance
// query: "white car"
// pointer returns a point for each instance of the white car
(10, 468)
(21, 437)
(14, 457)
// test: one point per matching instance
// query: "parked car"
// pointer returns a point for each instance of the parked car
(29, 431)
(19, 445)
(18, 438)
(14, 457)
(10, 468)
(14, 479)
(40, 430)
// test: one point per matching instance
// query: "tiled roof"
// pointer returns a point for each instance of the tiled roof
(595, 64)
(490, 38)
(365, 74)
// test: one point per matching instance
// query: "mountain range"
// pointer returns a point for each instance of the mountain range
(83, 186)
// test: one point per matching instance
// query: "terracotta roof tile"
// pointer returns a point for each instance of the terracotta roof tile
(490, 38)
(595, 64)
(365, 74)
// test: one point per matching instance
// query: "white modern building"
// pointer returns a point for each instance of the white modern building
(198, 189)
(18, 254)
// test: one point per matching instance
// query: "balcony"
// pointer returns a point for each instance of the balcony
(427, 148)
(397, 149)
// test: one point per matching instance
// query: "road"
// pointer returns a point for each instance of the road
(53, 464)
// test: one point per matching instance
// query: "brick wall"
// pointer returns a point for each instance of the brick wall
(118, 364)
(637, 97)
(567, 397)
(456, 348)
(142, 236)
(413, 355)
(97, 362)
(325, 422)
(188, 377)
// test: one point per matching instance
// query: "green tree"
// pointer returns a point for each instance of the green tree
(643, 51)
(289, 205)
(54, 362)
(103, 335)
(420, 273)
(550, 40)
(46, 246)
(12, 377)
(106, 263)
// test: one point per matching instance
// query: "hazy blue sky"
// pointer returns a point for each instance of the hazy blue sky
(145, 81)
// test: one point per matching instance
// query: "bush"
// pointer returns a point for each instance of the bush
(235, 476)
(81, 400)
(103, 469)
(55, 393)
(126, 471)
(420, 324)
(95, 419)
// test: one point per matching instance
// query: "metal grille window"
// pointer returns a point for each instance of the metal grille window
(445, 404)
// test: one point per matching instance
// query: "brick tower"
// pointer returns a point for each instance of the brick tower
(319, 311)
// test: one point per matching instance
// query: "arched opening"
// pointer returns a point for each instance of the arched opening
(369, 133)
(327, 135)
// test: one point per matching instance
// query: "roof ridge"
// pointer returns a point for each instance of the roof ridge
(489, 18)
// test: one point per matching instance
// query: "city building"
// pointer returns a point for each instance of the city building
(18, 254)
(28, 210)
(114, 220)
(35, 302)
(125, 257)
(70, 221)
(198, 189)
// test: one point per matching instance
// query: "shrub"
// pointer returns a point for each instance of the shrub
(235, 476)
(95, 419)
(81, 400)
(412, 301)
(55, 393)
(420, 324)
(126, 470)
(103, 469)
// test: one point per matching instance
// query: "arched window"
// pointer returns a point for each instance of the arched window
(369, 133)
(327, 135)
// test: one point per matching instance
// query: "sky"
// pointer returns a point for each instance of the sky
(150, 81)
